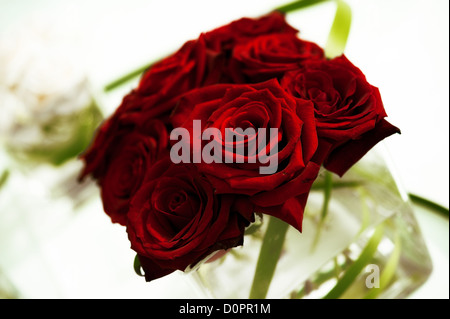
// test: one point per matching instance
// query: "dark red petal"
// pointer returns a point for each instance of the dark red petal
(345, 156)
(290, 212)
(151, 270)
(295, 187)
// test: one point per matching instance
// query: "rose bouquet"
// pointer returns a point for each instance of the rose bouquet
(233, 128)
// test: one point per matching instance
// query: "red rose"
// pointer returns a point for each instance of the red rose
(176, 220)
(200, 62)
(245, 29)
(160, 87)
(248, 143)
(270, 56)
(264, 106)
(118, 160)
(127, 118)
(348, 110)
(177, 73)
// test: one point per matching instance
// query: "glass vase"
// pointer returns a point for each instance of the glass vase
(366, 244)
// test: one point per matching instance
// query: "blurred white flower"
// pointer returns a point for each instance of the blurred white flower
(43, 89)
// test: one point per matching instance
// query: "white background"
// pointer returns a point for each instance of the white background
(401, 45)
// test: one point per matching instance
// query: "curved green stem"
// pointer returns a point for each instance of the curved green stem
(416, 199)
(389, 269)
(352, 273)
(297, 5)
(337, 38)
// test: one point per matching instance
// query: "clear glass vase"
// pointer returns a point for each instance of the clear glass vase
(367, 245)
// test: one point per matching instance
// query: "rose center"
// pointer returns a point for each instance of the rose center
(319, 88)
(176, 200)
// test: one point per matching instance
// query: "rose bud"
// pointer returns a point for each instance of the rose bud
(349, 111)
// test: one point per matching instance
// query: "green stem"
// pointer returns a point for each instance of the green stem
(322, 278)
(328, 186)
(297, 5)
(268, 257)
(352, 273)
(126, 78)
(416, 199)
(327, 194)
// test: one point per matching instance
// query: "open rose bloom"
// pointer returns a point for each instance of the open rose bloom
(183, 191)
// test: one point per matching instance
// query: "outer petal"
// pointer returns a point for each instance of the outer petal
(345, 156)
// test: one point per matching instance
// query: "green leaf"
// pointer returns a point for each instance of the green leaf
(64, 138)
(352, 273)
(297, 5)
(268, 257)
(418, 200)
(4, 178)
(337, 38)
(137, 266)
